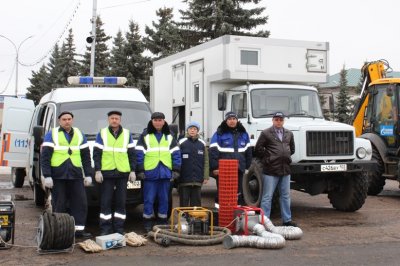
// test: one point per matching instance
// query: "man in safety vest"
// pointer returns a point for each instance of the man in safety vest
(114, 163)
(158, 162)
(65, 152)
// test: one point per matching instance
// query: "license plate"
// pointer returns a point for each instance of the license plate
(3, 220)
(333, 167)
(134, 185)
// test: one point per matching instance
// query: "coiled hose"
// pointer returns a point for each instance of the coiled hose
(288, 232)
(262, 239)
(162, 235)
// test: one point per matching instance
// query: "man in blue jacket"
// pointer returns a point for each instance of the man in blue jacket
(231, 141)
(64, 157)
(158, 162)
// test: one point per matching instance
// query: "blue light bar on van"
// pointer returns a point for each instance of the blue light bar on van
(96, 80)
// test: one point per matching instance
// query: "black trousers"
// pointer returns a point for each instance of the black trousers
(70, 193)
(107, 195)
(189, 196)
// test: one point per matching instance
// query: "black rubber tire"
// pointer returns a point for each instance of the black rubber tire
(252, 184)
(376, 181)
(46, 231)
(18, 177)
(38, 195)
(59, 231)
(70, 225)
(252, 187)
(351, 193)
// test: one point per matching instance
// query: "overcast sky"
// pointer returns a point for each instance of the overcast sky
(357, 30)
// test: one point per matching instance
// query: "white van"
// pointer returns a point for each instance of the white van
(89, 99)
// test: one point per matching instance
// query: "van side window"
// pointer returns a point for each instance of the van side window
(49, 119)
(239, 104)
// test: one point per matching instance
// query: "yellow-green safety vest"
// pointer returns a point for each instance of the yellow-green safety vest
(157, 151)
(61, 147)
(115, 151)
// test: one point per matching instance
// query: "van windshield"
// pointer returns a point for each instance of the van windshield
(90, 117)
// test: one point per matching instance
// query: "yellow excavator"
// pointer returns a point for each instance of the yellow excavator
(376, 118)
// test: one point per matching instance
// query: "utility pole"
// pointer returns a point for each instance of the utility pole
(16, 59)
(93, 50)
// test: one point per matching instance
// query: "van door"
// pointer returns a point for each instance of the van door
(196, 92)
(17, 115)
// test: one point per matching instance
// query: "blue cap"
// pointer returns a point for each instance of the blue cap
(279, 114)
(193, 124)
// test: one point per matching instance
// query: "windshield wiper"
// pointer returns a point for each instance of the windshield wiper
(263, 115)
(303, 114)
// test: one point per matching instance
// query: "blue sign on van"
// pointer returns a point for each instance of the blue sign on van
(387, 130)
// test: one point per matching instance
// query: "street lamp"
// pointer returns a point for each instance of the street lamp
(16, 60)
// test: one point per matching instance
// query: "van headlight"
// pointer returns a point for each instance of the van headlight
(361, 153)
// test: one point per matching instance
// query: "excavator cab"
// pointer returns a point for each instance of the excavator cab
(376, 118)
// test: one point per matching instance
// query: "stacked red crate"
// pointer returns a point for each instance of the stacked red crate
(227, 191)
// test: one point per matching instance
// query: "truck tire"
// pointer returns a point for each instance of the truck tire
(351, 193)
(38, 195)
(252, 187)
(18, 177)
(252, 184)
(376, 181)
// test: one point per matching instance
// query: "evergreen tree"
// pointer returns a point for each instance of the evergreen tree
(39, 85)
(69, 65)
(136, 64)
(164, 38)
(54, 66)
(102, 55)
(205, 20)
(118, 57)
(343, 102)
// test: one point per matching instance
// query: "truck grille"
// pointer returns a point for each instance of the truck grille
(329, 143)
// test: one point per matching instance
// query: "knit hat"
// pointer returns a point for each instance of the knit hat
(193, 124)
(230, 114)
(157, 115)
(65, 113)
(114, 112)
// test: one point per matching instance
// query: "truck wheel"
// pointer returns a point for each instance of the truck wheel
(350, 194)
(38, 195)
(252, 184)
(376, 181)
(18, 177)
(252, 187)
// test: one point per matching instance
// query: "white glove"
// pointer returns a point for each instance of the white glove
(48, 182)
(246, 172)
(99, 177)
(132, 177)
(87, 181)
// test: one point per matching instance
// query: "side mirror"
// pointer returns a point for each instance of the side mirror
(222, 101)
(38, 134)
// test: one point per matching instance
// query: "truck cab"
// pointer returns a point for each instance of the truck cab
(90, 104)
(328, 155)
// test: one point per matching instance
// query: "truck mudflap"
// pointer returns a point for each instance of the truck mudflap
(328, 167)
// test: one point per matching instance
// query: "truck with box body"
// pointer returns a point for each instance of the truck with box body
(256, 77)
(89, 100)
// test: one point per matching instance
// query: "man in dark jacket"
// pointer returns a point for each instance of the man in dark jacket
(158, 162)
(65, 157)
(195, 166)
(274, 147)
(231, 141)
(114, 162)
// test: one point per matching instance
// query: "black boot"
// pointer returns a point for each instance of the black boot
(162, 221)
(147, 224)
